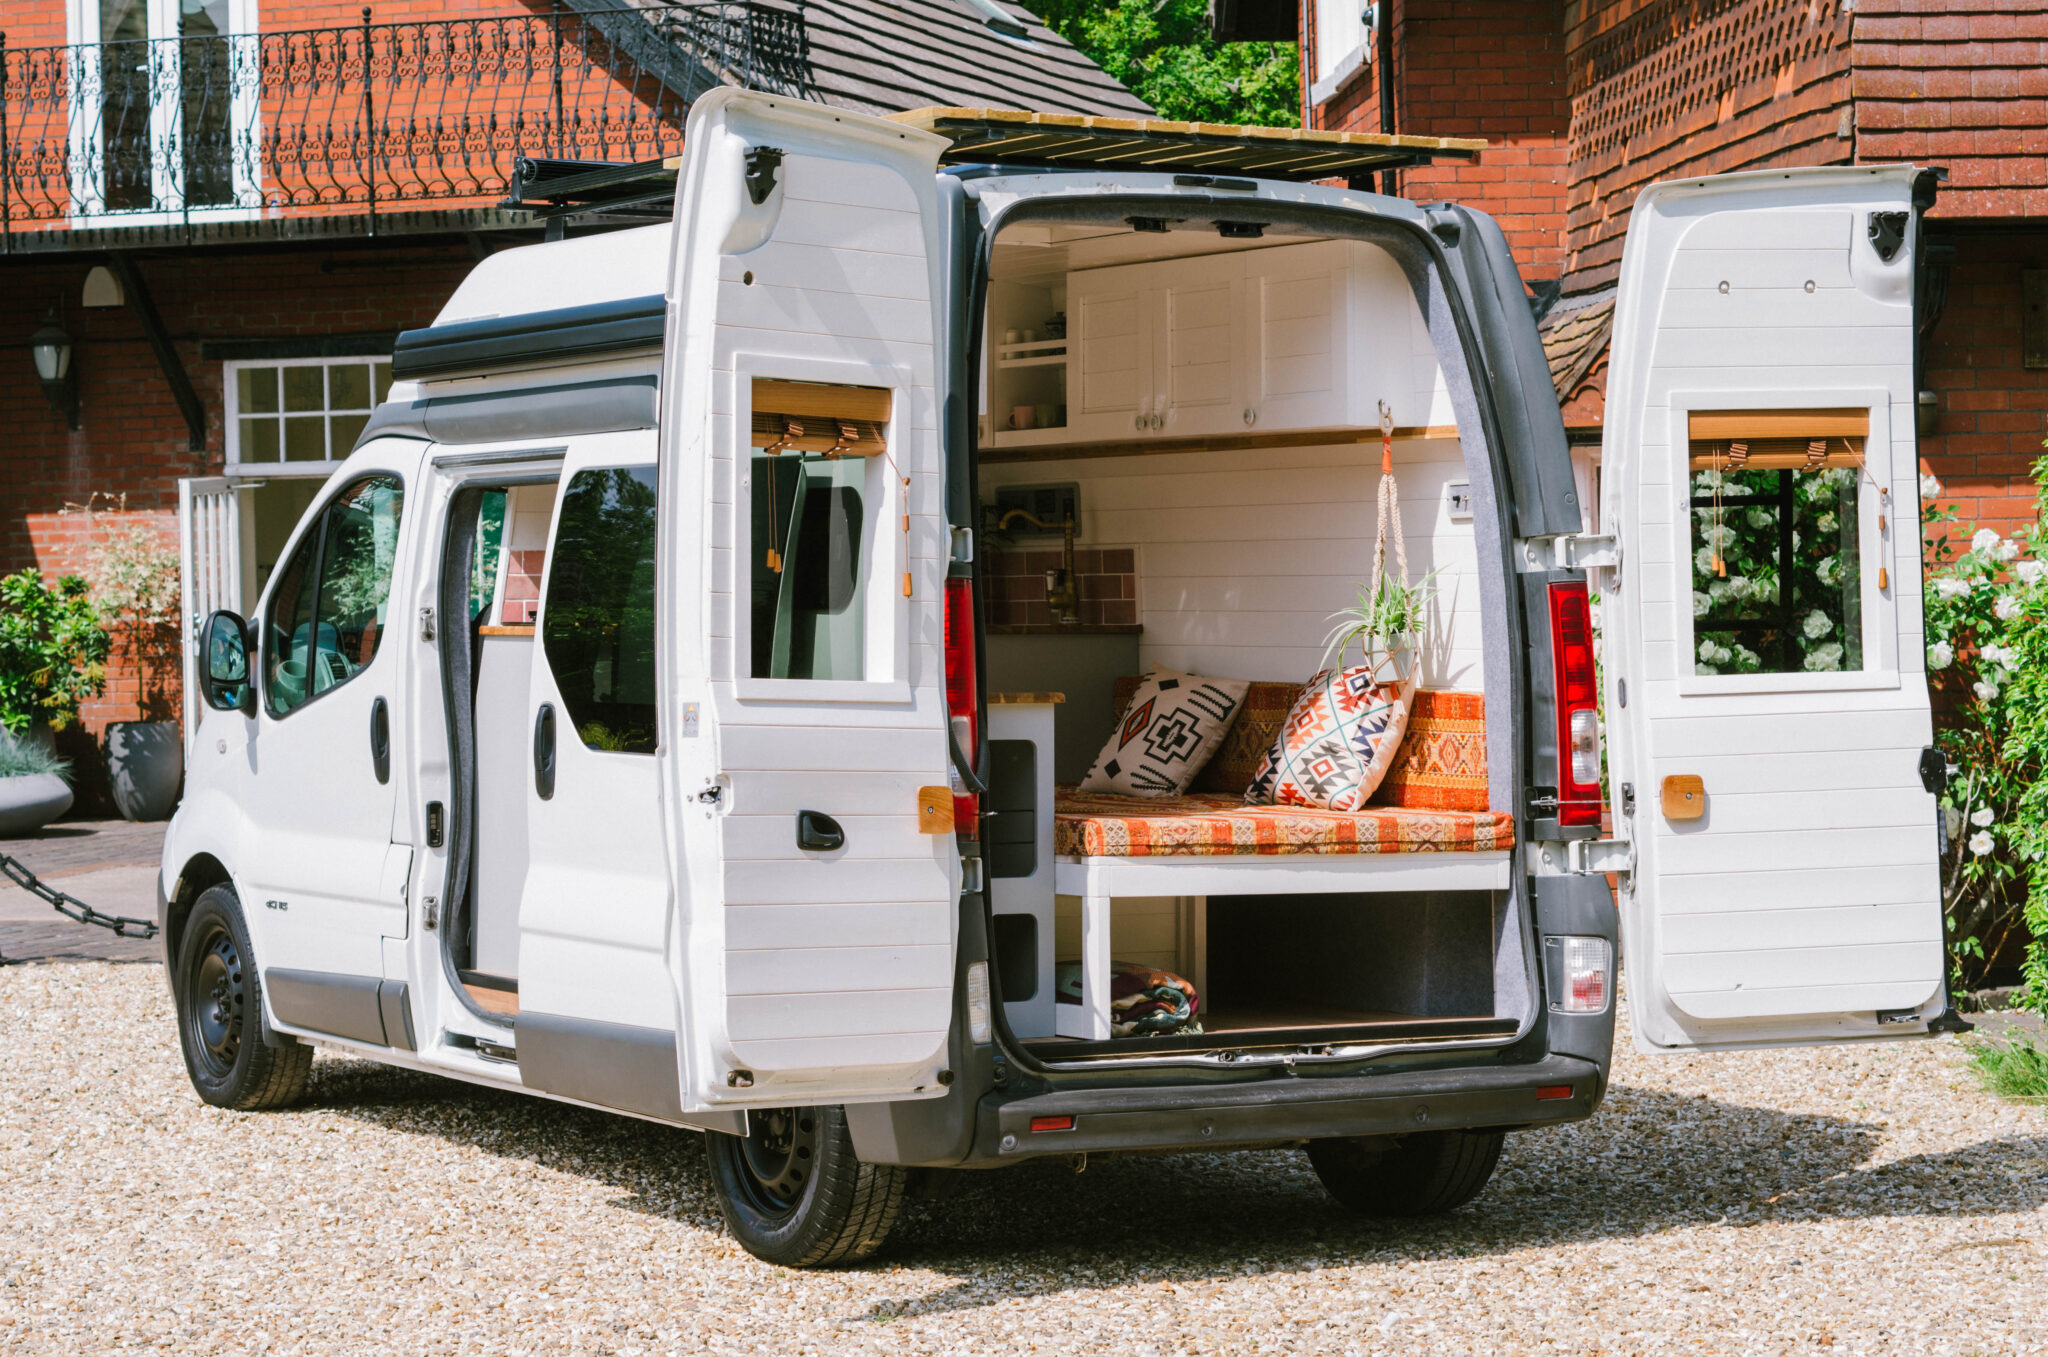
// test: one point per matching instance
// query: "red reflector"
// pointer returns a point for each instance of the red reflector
(1052, 1123)
(1551, 1093)
(963, 694)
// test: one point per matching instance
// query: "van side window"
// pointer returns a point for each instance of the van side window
(1777, 573)
(327, 614)
(808, 518)
(597, 621)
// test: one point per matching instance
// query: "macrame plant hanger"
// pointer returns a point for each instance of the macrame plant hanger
(1389, 525)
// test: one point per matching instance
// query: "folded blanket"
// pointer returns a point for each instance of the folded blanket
(1143, 1002)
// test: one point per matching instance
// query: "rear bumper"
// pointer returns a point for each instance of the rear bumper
(1300, 1108)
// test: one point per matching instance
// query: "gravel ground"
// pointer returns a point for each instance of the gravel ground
(1856, 1201)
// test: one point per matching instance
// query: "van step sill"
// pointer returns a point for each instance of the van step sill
(1239, 1035)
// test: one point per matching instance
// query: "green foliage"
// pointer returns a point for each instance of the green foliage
(134, 577)
(53, 650)
(26, 758)
(2015, 1069)
(1162, 51)
(1738, 574)
(1987, 662)
(1384, 625)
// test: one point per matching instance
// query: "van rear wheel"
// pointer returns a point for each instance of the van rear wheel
(1423, 1174)
(219, 997)
(794, 1193)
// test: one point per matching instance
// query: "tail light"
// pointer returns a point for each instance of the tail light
(1580, 973)
(1578, 705)
(963, 696)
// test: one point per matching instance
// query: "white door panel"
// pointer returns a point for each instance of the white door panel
(809, 976)
(1765, 623)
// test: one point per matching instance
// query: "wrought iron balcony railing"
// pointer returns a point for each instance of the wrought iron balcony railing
(369, 117)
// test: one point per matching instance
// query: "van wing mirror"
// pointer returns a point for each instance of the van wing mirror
(224, 664)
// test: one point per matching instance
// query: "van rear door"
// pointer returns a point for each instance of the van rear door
(801, 503)
(1766, 689)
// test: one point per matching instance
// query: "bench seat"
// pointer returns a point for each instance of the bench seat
(1092, 825)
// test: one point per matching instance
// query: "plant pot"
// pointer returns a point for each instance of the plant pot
(146, 768)
(29, 803)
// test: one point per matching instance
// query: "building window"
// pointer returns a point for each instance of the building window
(1343, 47)
(292, 412)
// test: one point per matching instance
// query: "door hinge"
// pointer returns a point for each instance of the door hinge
(1598, 857)
(426, 624)
(1571, 551)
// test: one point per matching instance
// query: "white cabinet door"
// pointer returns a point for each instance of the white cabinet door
(1297, 365)
(803, 699)
(1112, 392)
(1198, 357)
(1795, 895)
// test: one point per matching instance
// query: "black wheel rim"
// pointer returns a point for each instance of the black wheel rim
(216, 997)
(778, 1157)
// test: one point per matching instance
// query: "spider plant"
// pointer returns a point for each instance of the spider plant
(1384, 624)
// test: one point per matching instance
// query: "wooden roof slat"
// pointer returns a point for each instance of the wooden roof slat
(1074, 141)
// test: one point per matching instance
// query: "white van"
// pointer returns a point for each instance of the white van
(625, 724)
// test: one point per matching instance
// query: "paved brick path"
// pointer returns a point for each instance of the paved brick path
(109, 864)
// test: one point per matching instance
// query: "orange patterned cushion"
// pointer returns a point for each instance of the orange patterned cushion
(1441, 764)
(1092, 826)
(1259, 718)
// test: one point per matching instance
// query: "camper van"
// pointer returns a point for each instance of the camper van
(838, 668)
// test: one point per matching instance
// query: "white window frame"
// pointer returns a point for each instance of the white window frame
(245, 113)
(231, 397)
(1338, 63)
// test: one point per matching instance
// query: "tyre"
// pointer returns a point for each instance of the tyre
(219, 998)
(1424, 1174)
(794, 1193)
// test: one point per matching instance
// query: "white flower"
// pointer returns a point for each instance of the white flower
(1719, 589)
(2007, 608)
(1828, 571)
(1760, 518)
(1816, 624)
(1929, 487)
(1826, 523)
(1983, 818)
(1825, 659)
(1985, 540)
(1702, 604)
(1940, 655)
(1719, 535)
(2030, 572)
(1995, 654)
(1951, 588)
(1745, 658)
(1705, 560)
(1795, 540)
(1704, 669)
(1985, 692)
(1981, 842)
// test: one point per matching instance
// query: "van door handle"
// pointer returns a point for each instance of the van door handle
(380, 740)
(817, 832)
(544, 752)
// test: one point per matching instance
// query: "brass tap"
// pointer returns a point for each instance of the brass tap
(1062, 592)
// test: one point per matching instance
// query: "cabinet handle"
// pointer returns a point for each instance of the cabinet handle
(1251, 416)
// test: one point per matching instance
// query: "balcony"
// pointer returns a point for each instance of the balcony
(334, 130)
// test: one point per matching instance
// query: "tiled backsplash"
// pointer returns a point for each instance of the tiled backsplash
(522, 586)
(1108, 584)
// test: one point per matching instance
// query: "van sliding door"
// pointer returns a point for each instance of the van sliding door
(802, 513)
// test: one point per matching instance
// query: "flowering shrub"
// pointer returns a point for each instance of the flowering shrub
(1987, 662)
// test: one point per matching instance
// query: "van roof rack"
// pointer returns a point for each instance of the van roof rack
(1067, 141)
(645, 191)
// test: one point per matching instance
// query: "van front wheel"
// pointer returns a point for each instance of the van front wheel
(794, 1193)
(219, 998)
(1423, 1174)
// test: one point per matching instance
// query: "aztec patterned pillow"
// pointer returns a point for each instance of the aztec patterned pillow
(1171, 726)
(1337, 744)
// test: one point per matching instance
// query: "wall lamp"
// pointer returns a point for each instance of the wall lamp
(50, 347)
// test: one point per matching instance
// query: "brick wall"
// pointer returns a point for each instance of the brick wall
(1994, 410)
(1662, 89)
(1480, 68)
(133, 442)
(1959, 83)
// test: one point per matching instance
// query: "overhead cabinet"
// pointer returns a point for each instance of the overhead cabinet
(1256, 341)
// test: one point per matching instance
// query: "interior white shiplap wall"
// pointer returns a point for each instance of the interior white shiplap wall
(1243, 555)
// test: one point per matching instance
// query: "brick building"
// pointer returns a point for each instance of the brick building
(1588, 101)
(233, 206)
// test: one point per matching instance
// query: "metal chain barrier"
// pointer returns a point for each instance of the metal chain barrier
(71, 907)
